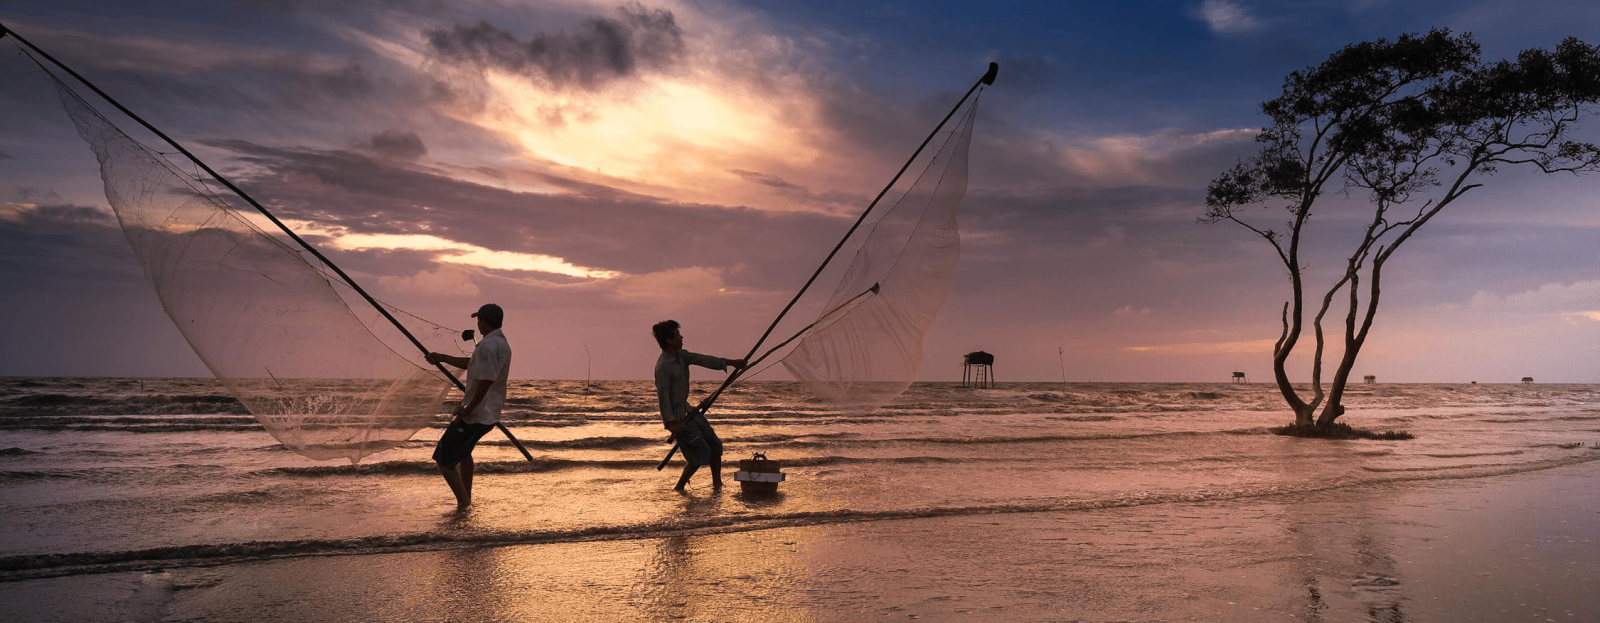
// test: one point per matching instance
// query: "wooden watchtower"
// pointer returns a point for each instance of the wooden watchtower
(1527, 380)
(1238, 377)
(1370, 378)
(977, 369)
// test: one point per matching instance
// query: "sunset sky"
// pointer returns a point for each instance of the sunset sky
(696, 160)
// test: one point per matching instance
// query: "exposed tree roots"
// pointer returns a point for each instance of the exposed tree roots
(1339, 430)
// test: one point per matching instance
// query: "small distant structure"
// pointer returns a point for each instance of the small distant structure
(1527, 380)
(1238, 377)
(1370, 378)
(977, 369)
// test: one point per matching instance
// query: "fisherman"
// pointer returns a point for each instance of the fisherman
(689, 426)
(479, 411)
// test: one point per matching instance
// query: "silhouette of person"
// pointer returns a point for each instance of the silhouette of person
(695, 436)
(479, 411)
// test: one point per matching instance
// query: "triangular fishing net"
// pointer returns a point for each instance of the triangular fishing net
(271, 325)
(867, 353)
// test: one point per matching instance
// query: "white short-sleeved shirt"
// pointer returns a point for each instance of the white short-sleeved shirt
(672, 382)
(491, 361)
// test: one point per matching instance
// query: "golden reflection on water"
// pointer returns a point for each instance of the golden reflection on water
(724, 577)
(1341, 568)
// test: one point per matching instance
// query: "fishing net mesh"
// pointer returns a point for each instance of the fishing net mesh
(867, 352)
(268, 322)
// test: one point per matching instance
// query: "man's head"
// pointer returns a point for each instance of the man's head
(668, 335)
(490, 317)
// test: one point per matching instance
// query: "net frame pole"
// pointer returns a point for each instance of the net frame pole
(987, 79)
(263, 210)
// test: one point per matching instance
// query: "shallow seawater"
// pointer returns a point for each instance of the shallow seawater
(153, 475)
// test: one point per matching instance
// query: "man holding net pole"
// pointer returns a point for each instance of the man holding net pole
(694, 434)
(487, 372)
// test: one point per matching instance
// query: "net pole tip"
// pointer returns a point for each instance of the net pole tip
(994, 70)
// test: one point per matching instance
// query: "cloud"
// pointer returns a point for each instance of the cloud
(601, 49)
(1170, 157)
(60, 245)
(570, 228)
(443, 281)
(398, 145)
(1226, 17)
(765, 180)
(1245, 347)
(1573, 298)
(46, 217)
(679, 286)
(460, 253)
(1583, 315)
(787, 189)
(5, 156)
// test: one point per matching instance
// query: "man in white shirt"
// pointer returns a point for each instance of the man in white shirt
(694, 434)
(487, 370)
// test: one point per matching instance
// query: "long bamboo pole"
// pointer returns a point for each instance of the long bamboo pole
(987, 79)
(263, 210)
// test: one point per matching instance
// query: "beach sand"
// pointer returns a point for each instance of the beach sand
(1521, 547)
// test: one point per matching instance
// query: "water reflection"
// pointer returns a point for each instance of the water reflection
(1344, 559)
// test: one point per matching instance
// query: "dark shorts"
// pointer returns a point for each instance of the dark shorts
(457, 442)
(698, 442)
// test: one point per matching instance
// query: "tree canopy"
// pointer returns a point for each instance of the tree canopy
(1413, 123)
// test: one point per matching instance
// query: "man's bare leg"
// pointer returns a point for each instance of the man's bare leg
(453, 477)
(466, 467)
(716, 472)
(688, 470)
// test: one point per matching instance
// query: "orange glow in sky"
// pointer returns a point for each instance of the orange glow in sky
(680, 136)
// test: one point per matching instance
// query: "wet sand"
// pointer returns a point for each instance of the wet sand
(1516, 547)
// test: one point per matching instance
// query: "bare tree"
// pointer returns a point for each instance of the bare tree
(1414, 124)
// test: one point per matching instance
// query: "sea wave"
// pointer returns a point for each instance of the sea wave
(137, 428)
(546, 464)
(1024, 439)
(34, 566)
(1463, 455)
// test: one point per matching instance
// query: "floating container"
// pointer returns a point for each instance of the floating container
(757, 474)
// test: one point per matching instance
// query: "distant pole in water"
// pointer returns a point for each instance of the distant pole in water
(588, 367)
(251, 200)
(1061, 355)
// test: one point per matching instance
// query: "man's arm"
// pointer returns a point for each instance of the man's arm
(474, 397)
(459, 362)
(715, 363)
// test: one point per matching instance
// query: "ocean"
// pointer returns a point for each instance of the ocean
(142, 478)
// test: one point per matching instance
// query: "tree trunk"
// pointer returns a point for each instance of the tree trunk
(1354, 340)
(1280, 357)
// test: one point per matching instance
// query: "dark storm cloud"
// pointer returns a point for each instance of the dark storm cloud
(4, 156)
(398, 145)
(598, 50)
(62, 246)
(608, 230)
(245, 90)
